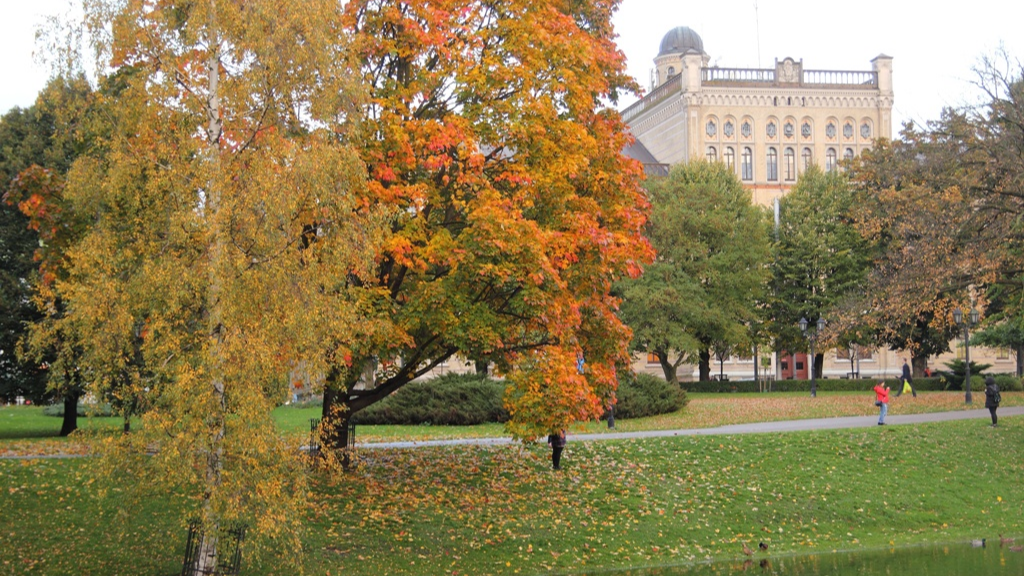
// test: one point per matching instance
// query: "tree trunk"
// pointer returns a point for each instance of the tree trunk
(704, 364)
(481, 367)
(667, 368)
(1018, 351)
(917, 365)
(757, 373)
(817, 364)
(70, 414)
(335, 417)
(216, 420)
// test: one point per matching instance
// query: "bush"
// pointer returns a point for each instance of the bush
(1009, 383)
(643, 395)
(824, 385)
(83, 410)
(449, 400)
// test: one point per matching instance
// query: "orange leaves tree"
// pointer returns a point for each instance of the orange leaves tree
(486, 130)
(224, 234)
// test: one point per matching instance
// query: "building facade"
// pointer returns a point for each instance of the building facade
(768, 124)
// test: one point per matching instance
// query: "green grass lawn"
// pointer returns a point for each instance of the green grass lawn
(23, 425)
(501, 510)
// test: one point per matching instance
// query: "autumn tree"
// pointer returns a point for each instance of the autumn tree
(487, 133)
(818, 257)
(701, 294)
(225, 237)
(914, 211)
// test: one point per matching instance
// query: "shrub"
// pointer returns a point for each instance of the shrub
(451, 400)
(824, 385)
(643, 395)
(1008, 382)
(83, 410)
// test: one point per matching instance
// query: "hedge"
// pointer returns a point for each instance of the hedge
(83, 409)
(464, 399)
(936, 383)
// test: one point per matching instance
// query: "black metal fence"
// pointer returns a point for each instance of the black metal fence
(229, 551)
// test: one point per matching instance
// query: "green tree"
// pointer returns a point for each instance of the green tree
(704, 287)
(41, 144)
(819, 257)
(23, 140)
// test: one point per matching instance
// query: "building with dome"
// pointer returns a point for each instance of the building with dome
(767, 124)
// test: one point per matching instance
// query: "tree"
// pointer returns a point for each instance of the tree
(487, 136)
(819, 257)
(23, 139)
(43, 146)
(225, 239)
(914, 212)
(703, 289)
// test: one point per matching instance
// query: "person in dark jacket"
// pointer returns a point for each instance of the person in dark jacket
(992, 398)
(557, 442)
(907, 379)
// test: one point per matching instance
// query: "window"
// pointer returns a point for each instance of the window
(748, 164)
(773, 165)
(671, 71)
(712, 154)
(807, 157)
(729, 155)
(790, 164)
(652, 358)
(830, 159)
(1002, 353)
(848, 154)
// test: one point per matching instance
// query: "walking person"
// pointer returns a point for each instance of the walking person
(882, 401)
(992, 398)
(557, 442)
(906, 380)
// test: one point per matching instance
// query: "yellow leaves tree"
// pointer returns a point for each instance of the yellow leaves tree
(226, 236)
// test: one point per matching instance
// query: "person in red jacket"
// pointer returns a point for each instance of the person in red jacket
(882, 401)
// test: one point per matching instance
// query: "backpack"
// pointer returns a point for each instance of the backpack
(997, 398)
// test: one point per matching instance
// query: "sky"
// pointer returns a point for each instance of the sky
(934, 43)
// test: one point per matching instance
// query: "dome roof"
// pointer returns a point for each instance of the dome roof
(680, 41)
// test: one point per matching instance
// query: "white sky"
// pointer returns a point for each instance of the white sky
(934, 43)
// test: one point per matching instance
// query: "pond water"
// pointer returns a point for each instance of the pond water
(947, 560)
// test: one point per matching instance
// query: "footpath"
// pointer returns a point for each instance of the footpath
(753, 428)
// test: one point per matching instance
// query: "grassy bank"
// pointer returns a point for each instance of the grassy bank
(500, 510)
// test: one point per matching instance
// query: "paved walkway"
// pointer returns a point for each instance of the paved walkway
(754, 428)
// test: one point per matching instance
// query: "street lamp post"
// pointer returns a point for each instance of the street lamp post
(812, 338)
(971, 322)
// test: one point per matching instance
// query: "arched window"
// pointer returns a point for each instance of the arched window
(789, 160)
(712, 154)
(848, 154)
(747, 168)
(773, 165)
(807, 158)
(671, 71)
(830, 159)
(729, 155)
